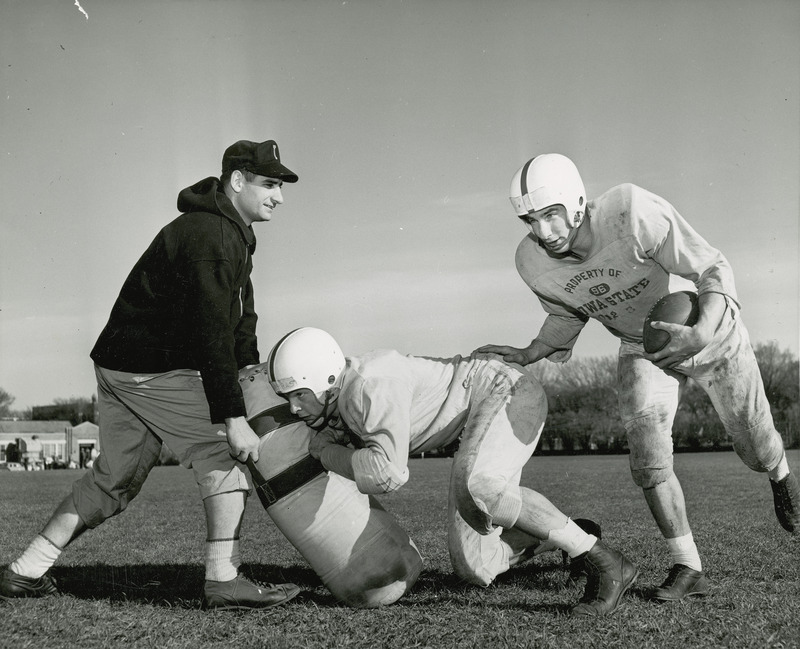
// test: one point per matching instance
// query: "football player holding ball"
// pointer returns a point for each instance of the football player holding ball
(611, 259)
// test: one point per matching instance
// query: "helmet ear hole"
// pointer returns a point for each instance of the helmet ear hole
(305, 358)
(548, 179)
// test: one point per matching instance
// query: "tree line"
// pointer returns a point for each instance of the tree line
(582, 404)
(75, 410)
(583, 414)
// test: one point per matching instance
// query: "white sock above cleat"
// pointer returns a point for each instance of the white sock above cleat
(683, 550)
(222, 559)
(37, 558)
(781, 471)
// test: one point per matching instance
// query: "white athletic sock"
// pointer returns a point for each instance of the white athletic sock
(222, 559)
(781, 471)
(683, 550)
(572, 539)
(37, 558)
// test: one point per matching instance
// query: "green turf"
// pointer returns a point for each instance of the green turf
(136, 580)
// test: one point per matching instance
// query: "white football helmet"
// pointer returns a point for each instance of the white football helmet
(548, 179)
(305, 358)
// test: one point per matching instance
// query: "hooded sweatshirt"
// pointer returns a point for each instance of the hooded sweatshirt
(188, 302)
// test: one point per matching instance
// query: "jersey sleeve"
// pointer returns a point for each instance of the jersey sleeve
(385, 410)
(561, 329)
(563, 324)
(671, 242)
(374, 474)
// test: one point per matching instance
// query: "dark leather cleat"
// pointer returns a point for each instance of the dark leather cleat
(786, 495)
(243, 593)
(576, 566)
(14, 585)
(609, 576)
(682, 581)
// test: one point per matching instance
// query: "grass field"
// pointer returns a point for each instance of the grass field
(136, 580)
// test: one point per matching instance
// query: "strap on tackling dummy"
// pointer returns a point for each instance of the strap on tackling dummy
(273, 489)
(290, 479)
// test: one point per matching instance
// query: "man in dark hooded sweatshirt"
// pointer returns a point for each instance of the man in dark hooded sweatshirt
(167, 368)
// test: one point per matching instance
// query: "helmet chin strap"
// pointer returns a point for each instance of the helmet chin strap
(577, 219)
(328, 418)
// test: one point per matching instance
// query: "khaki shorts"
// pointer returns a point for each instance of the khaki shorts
(137, 413)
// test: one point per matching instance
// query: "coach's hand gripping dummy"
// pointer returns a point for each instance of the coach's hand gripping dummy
(393, 405)
(357, 548)
(611, 259)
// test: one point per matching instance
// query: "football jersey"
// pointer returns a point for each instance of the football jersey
(398, 404)
(637, 240)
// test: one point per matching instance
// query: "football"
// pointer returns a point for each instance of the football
(677, 308)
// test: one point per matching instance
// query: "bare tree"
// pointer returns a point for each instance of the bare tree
(780, 371)
(5, 403)
(583, 412)
(75, 410)
(582, 400)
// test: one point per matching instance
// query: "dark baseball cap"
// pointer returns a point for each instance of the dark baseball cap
(263, 159)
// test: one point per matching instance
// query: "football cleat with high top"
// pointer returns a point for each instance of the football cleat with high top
(609, 576)
(14, 585)
(786, 495)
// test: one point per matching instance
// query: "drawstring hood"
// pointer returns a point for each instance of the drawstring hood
(208, 196)
(188, 302)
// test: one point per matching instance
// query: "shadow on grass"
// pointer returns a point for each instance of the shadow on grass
(181, 586)
(548, 581)
(170, 585)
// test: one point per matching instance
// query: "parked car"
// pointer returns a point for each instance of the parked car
(11, 466)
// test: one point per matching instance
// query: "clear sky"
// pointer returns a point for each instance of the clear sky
(405, 121)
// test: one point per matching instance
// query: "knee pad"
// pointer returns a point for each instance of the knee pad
(649, 477)
(650, 445)
(486, 502)
(760, 448)
(476, 558)
(749, 455)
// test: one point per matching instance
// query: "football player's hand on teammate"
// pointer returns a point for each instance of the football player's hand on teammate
(509, 354)
(242, 439)
(534, 352)
(684, 343)
(325, 438)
